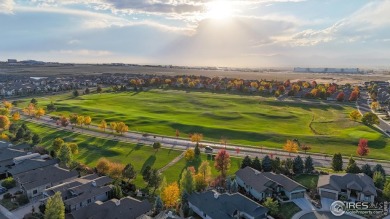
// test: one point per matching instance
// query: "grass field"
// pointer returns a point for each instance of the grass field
(91, 149)
(307, 180)
(250, 120)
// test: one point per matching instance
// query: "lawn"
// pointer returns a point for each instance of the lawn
(92, 148)
(250, 120)
(307, 180)
(287, 210)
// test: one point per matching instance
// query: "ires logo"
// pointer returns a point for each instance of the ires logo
(339, 208)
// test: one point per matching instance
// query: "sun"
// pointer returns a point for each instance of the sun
(220, 9)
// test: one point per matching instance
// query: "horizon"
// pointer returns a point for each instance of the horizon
(217, 33)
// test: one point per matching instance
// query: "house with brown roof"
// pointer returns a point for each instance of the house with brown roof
(358, 187)
(267, 184)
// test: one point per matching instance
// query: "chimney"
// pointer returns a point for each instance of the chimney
(216, 195)
(94, 183)
(118, 202)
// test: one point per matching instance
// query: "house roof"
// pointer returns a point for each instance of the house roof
(129, 207)
(360, 182)
(43, 176)
(217, 205)
(10, 153)
(30, 164)
(260, 181)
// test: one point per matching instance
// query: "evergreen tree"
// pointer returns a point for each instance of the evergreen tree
(266, 164)
(337, 162)
(65, 155)
(309, 165)
(256, 164)
(379, 168)
(187, 182)
(55, 208)
(298, 165)
(386, 191)
(76, 93)
(146, 173)
(19, 134)
(158, 205)
(228, 184)
(129, 172)
(379, 179)
(352, 166)
(117, 192)
(36, 139)
(247, 161)
(155, 180)
(197, 150)
(234, 186)
(366, 169)
(276, 165)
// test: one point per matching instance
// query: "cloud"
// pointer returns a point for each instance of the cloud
(84, 52)
(6, 6)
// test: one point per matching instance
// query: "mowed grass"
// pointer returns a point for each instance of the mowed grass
(249, 120)
(92, 148)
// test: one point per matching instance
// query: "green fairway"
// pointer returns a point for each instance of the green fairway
(249, 120)
(91, 149)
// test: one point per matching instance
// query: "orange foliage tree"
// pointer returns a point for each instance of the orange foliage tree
(290, 147)
(363, 149)
(171, 195)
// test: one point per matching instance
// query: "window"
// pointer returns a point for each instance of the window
(35, 191)
(89, 201)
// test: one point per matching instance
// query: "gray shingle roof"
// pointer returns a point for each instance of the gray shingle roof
(225, 205)
(359, 182)
(128, 208)
(261, 181)
(30, 164)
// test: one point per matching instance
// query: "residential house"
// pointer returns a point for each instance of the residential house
(128, 207)
(34, 182)
(213, 205)
(359, 187)
(82, 191)
(267, 184)
(7, 154)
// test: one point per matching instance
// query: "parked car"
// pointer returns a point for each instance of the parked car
(3, 190)
(208, 150)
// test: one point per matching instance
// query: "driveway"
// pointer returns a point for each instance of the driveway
(304, 204)
(326, 202)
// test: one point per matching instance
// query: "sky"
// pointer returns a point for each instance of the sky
(233, 33)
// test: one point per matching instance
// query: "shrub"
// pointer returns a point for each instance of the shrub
(9, 183)
(22, 199)
(7, 195)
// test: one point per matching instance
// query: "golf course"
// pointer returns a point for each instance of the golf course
(241, 119)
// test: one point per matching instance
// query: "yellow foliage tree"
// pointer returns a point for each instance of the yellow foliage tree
(80, 120)
(7, 105)
(171, 195)
(291, 147)
(115, 170)
(103, 125)
(200, 182)
(39, 113)
(189, 154)
(4, 137)
(29, 110)
(375, 105)
(103, 165)
(121, 127)
(74, 148)
(87, 120)
(355, 115)
(4, 122)
(16, 116)
(196, 137)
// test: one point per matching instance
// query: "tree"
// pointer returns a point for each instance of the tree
(379, 179)
(298, 165)
(386, 191)
(103, 166)
(370, 119)
(74, 148)
(20, 133)
(266, 164)
(196, 137)
(51, 107)
(276, 164)
(155, 179)
(355, 115)
(30, 109)
(189, 155)
(121, 127)
(363, 149)
(309, 165)
(375, 105)
(4, 122)
(99, 89)
(57, 143)
(146, 173)
(76, 93)
(352, 166)
(8, 183)
(305, 148)
(80, 120)
(247, 161)
(197, 150)
(103, 125)
(156, 145)
(340, 97)
(205, 171)
(117, 192)
(337, 162)
(177, 133)
(354, 95)
(39, 113)
(16, 116)
(55, 208)
(13, 128)
(234, 186)
(64, 121)
(222, 162)
(87, 120)
(379, 168)
(158, 205)
(187, 182)
(34, 101)
(73, 119)
(65, 155)
(272, 205)
(87, 91)
(200, 182)
(290, 147)
(256, 164)
(36, 139)
(170, 195)
(366, 169)
(116, 170)
(7, 105)
(129, 172)
(4, 111)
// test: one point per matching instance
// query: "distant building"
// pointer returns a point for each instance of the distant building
(12, 61)
(328, 70)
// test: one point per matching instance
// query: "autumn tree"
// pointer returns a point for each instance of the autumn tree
(80, 121)
(74, 148)
(290, 147)
(189, 155)
(375, 105)
(355, 115)
(103, 166)
(4, 122)
(222, 162)
(177, 133)
(272, 205)
(200, 182)
(305, 148)
(115, 170)
(354, 95)
(370, 119)
(363, 149)
(113, 126)
(121, 128)
(64, 121)
(205, 171)
(30, 109)
(73, 119)
(55, 208)
(340, 97)
(16, 116)
(87, 121)
(7, 105)
(57, 143)
(39, 113)
(103, 125)
(171, 195)
(196, 137)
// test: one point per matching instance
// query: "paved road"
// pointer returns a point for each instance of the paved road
(183, 144)
(365, 108)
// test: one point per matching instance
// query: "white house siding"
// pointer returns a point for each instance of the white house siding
(199, 212)
(320, 190)
(254, 193)
(288, 194)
